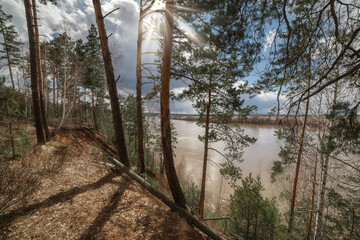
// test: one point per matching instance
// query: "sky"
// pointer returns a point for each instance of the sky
(76, 16)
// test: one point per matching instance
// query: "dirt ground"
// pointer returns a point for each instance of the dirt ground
(78, 197)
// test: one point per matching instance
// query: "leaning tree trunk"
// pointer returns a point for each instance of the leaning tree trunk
(114, 99)
(206, 150)
(172, 178)
(34, 84)
(38, 65)
(141, 162)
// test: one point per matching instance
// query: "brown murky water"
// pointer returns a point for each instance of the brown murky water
(258, 159)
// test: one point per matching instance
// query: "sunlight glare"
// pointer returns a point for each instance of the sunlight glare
(159, 4)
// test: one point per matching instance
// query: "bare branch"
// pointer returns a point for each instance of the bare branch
(110, 12)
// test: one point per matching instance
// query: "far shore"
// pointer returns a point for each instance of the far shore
(256, 119)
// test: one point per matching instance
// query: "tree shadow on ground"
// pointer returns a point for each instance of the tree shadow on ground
(106, 212)
(55, 199)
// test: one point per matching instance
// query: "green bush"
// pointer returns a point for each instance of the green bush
(252, 216)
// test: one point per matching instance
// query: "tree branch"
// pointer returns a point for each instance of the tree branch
(110, 12)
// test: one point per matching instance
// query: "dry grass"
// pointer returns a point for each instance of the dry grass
(78, 197)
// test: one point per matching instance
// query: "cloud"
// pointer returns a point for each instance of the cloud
(177, 91)
(239, 84)
(269, 39)
(265, 101)
(76, 16)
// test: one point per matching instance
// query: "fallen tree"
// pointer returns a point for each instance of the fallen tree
(186, 214)
(173, 206)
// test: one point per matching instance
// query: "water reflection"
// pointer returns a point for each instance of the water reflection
(258, 158)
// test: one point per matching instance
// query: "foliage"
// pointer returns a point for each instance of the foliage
(192, 195)
(11, 46)
(252, 216)
(9, 115)
(95, 71)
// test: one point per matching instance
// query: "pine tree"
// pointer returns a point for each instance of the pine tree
(110, 77)
(14, 142)
(215, 56)
(94, 75)
(251, 216)
(11, 44)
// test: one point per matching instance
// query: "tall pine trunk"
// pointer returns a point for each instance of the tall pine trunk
(114, 99)
(172, 178)
(38, 67)
(34, 80)
(141, 163)
(206, 150)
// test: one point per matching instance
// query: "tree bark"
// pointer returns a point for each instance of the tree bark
(34, 83)
(172, 178)
(25, 88)
(85, 108)
(141, 163)
(54, 80)
(64, 92)
(46, 82)
(39, 75)
(75, 112)
(10, 131)
(206, 149)
(93, 109)
(312, 201)
(114, 99)
(321, 200)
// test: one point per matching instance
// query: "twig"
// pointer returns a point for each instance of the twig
(110, 12)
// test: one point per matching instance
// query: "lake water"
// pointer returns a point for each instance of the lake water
(258, 159)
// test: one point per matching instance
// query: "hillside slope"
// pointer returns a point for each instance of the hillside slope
(76, 196)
